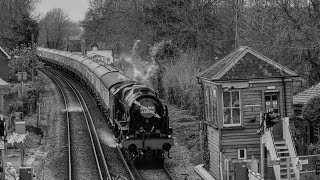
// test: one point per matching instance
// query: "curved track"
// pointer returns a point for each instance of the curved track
(110, 156)
(106, 157)
(83, 161)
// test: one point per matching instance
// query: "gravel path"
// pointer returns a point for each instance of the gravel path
(56, 136)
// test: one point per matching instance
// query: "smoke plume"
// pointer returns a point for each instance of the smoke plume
(141, 70)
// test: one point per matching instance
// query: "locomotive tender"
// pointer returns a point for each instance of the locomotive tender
(138, 118)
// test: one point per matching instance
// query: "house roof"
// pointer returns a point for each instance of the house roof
(4, 52)
(94, 45)
(3, 82)
(103, 53)
(307, 94)
(245, 63)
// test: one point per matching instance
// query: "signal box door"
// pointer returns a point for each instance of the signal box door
(241, 171)
(272, 104)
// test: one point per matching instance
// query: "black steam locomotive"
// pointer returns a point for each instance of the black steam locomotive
(137, 116)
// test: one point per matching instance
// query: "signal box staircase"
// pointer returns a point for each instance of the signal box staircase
(283, 152)
(280, 150)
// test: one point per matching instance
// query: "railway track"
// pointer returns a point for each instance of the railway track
(119, 168)
(111, 158)
(156, 174)
(109, 155)
(83, 155)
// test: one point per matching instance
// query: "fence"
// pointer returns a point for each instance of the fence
(305, 169)
(308, 167)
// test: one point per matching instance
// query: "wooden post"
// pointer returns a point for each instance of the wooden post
(302, 146)
(262, 146)
(228, 170)
(200, 137)
(288, 169)
(3, 157)
(38, 120)
(22, 156)
(32, 59)
(262, 158)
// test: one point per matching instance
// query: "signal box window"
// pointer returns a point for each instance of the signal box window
(272, 102)
(207, 100)
(242, 153)
(231, 108)
(211, 106)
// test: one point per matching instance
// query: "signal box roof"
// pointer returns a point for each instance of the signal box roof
(243, 64)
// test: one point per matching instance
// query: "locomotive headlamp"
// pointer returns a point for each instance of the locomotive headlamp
(169, 136)
(127, 137)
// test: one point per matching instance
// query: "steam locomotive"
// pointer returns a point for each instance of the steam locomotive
(138, 118)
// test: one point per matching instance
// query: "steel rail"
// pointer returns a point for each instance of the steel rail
(132, 177)
(68, 123)
(90, 133)
(126, 165)
(168, 173)
(88, 118)
(95, 134)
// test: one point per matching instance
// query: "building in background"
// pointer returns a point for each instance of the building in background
(73, 44)
(104, 55)
(4, 68)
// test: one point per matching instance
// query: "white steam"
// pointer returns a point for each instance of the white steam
(141, 70)
(107, 138)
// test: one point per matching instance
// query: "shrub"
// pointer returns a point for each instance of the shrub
(311, 110)
(180, 84)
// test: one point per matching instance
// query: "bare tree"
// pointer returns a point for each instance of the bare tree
(287, 31)
(17, 23)
(55, 28)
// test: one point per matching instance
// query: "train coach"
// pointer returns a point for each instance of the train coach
(138, 118)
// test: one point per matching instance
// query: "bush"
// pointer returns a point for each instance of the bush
(180, 84)
(311, 110)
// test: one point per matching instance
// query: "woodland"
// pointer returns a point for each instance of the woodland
(184, 37)
(171, 41)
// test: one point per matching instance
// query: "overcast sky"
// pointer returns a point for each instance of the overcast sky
(74, 8)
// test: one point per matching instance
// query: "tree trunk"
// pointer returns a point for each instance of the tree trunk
(311, 133)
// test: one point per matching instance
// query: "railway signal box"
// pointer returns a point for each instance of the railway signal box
(236, 90)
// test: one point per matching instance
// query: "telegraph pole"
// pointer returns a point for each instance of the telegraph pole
(32, 59)
(236, 39)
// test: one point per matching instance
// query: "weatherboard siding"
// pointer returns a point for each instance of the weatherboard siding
(286, 99)
(245, 136)
(214, 148)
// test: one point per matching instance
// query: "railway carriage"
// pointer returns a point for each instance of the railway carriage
(57, 58)
(72, 60)
(91, 76)
(69, 61)
(136, 115)
(100, 71)
(82, 70)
